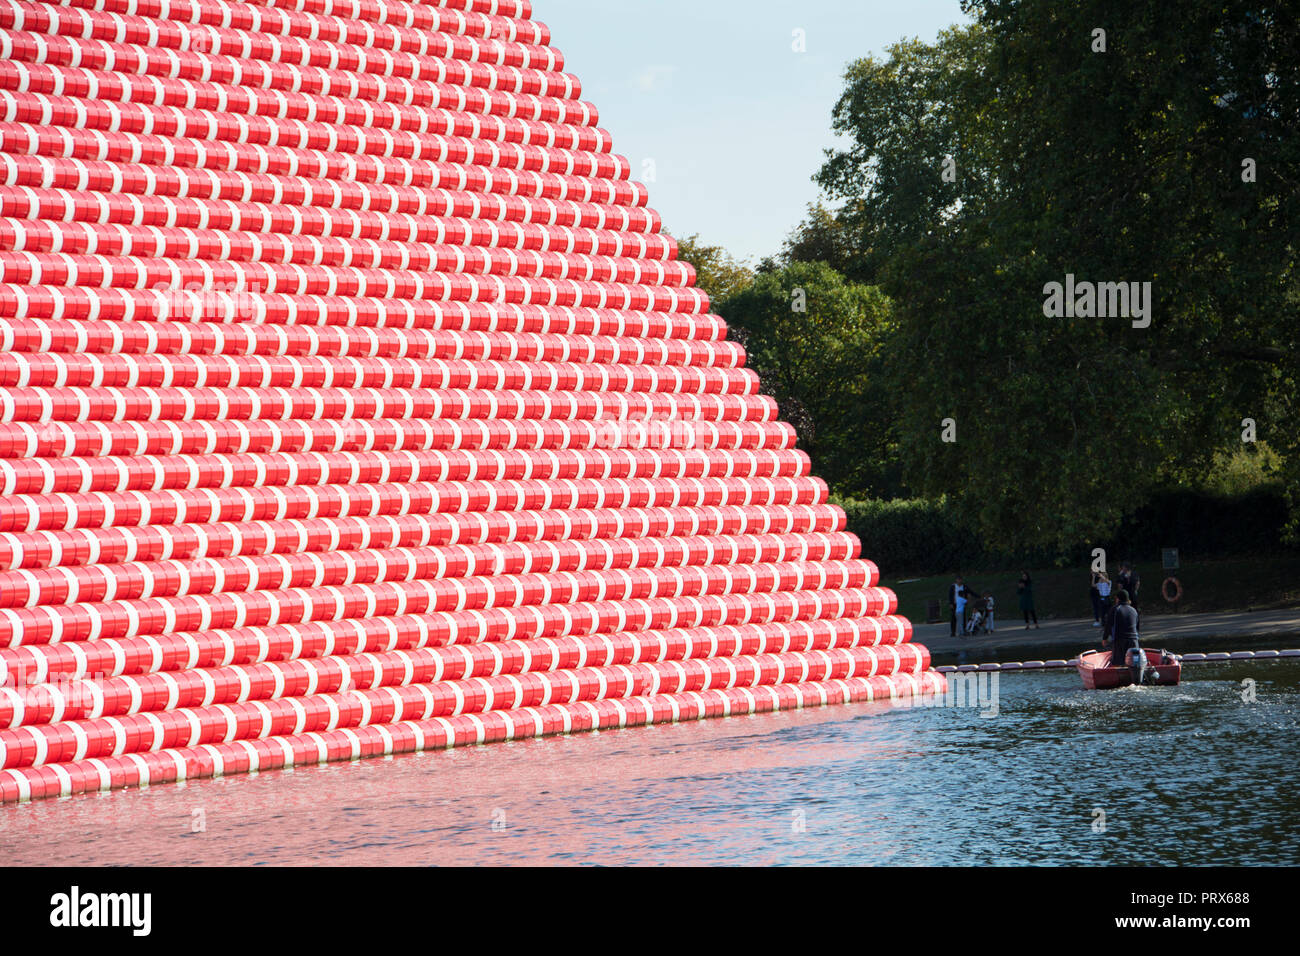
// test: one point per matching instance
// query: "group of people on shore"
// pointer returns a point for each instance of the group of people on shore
(1103, 592)
(973, 611)
(970, 611)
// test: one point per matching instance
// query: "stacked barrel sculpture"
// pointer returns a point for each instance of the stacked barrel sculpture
(353, 402)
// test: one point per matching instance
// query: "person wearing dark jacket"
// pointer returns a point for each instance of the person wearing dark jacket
(1025, 592)
(1123, 629)
(1108, 619)
(1128, 581)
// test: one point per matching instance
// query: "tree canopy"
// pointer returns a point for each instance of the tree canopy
(717, 272)
(816, 341)
(1169, 153)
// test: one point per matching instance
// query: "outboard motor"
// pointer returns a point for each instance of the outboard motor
(1138, 666)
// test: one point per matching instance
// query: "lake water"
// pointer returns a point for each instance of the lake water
(1194, 774)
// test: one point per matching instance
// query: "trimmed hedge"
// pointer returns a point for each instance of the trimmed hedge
(922, 537)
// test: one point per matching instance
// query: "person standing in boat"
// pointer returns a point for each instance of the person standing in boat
(1108, 619)
(1123, 629)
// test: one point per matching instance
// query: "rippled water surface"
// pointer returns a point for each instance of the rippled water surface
(1193, 774)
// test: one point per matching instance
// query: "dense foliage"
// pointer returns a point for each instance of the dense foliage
(998, 159)
(817, 344)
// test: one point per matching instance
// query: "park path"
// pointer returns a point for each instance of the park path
(1074, 634)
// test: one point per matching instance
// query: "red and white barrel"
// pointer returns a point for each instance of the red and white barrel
(354, 402)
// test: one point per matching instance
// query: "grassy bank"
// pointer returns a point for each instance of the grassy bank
(1232, 584)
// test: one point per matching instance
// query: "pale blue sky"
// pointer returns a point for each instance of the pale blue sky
(712, 91)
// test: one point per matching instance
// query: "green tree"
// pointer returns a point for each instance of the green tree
(918, 126)
(816, 342)
(717, 272)
(1123, 165)
(822, 237)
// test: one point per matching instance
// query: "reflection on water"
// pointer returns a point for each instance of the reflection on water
(1192, 774)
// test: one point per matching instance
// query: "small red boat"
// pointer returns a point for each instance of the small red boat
(1154, 667)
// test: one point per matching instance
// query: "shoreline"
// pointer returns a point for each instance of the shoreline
(1073, 635)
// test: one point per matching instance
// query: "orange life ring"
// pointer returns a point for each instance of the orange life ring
(1178, 590)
